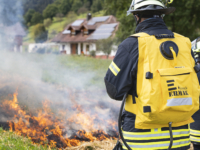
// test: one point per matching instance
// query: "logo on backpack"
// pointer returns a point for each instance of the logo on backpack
(174, 91)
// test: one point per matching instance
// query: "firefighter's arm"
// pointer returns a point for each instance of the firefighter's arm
(118, 79)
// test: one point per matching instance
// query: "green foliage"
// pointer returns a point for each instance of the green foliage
(40, 33)
(9, 140)
(126, 27)
(76, 5)
(186, 19)
(59, 17)
(47, 22)
(93, 53)
(65, 6)
(37, 5)
(28, 16)
(105, 45)
(96, 6)
(82, 10)
(36, 18)
(50, 11)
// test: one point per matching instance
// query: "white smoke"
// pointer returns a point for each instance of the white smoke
(39, 77)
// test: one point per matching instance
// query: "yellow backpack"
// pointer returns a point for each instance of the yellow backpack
(167, 89)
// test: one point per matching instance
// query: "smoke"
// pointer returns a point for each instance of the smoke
(10, 11)
(38, 77)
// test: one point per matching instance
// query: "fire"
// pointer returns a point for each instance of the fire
(46, 128)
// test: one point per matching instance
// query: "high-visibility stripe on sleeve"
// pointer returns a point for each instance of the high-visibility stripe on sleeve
(195, 132)
(114, 68)
(194, 138)
(195, 135)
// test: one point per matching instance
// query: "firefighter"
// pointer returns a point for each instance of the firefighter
(122, 77)
(195, 127)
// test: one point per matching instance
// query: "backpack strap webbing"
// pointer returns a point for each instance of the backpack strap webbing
(141, 34)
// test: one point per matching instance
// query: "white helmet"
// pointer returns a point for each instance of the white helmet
(150, 7)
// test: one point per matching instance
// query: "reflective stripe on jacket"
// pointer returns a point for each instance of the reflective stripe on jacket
(157, 139)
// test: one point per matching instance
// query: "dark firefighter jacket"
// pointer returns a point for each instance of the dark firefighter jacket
(126, 59)
(195, 127)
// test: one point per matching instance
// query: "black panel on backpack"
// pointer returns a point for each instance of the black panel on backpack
(147, 109)
(161, 36)
(149, 75)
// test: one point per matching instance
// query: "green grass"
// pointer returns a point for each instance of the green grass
(87, 64)
(60, 69)
(11, 141)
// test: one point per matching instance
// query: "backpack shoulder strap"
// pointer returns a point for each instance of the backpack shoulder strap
(178, 35)
(141, 34)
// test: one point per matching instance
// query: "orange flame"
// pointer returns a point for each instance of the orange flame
(47, 129)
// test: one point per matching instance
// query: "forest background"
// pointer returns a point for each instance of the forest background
(185, 20)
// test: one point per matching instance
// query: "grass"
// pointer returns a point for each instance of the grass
(59, 69)
(9, 140)
(50, 69)
(86, 64)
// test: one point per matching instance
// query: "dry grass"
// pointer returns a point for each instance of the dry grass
(103, 145)
(97, 145)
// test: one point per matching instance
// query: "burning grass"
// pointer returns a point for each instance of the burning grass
(9, 140)
(96, 145)
(51, 130)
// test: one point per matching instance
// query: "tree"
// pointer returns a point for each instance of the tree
(37, 5)
(28, 16)
(50, 11)
(96, 6)
(127, 24)
(47, 22)
(65, 6)
(36, 18)
(82, 10)
(76, 5)
(185, 20)
(105, 45)
(40, 33)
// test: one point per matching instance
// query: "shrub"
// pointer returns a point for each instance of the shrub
(47, 22)
(93, 53)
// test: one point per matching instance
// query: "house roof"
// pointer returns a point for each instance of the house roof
(99, 28)
(104, 31)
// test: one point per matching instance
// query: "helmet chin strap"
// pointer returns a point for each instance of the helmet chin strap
(137, 20)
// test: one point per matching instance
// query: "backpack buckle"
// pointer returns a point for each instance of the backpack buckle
(149, 75)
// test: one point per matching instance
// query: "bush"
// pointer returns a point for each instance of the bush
(40, 33)
(50, 11)
(47, 22)
(82, 10)
(37, 18)
(93, 53)
(59, 17)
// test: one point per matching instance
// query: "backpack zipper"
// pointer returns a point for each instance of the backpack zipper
(175, 74)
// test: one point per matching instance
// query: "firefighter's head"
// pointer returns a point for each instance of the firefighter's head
(149, 8)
